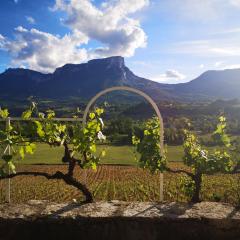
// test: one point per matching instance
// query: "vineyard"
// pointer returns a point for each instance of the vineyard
(126, 183)
(203, 174)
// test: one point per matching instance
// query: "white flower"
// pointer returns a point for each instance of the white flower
(203, 153)
(101, 136)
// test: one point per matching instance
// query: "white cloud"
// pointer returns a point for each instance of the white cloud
(174, 74)
(233, 66)
(194, 10)
(235, 3)
(224, 47)
(30, 19)
(198, 10)
(201, 66)
(219, 63)
(227, 31)
(171, 76)
(43, 51)
(2, 41)
(109, 24)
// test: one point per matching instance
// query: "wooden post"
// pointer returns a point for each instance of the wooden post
(161, 186)
(8, 192)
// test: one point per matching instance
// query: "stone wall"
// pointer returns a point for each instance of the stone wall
(119, 221)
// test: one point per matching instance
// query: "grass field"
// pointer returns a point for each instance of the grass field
(115, 155)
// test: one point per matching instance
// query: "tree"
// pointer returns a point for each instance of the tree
(198, 159)
(79, 142)
(174, 131)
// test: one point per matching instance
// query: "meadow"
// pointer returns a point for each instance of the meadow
(119, 155)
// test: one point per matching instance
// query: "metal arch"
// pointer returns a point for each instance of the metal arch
(149, 100)
(129, 89)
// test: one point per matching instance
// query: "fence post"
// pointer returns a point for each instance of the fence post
(161, 186)
(8, 122)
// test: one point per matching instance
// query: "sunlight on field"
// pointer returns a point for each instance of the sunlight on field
(114, 155)
(125, 183)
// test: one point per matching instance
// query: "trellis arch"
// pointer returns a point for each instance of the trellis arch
(150, 101)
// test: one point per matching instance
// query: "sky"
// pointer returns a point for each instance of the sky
(168, 41)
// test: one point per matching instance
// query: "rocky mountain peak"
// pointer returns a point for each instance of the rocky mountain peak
(115, 61)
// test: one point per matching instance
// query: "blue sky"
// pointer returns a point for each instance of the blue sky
(163, 40)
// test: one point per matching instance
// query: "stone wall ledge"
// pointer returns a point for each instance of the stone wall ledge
(119, 220)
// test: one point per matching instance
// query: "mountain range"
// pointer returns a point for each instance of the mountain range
(86, 79)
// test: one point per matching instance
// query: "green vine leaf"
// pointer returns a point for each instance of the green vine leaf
(149, 147)
(4, 113)
(27, 114)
